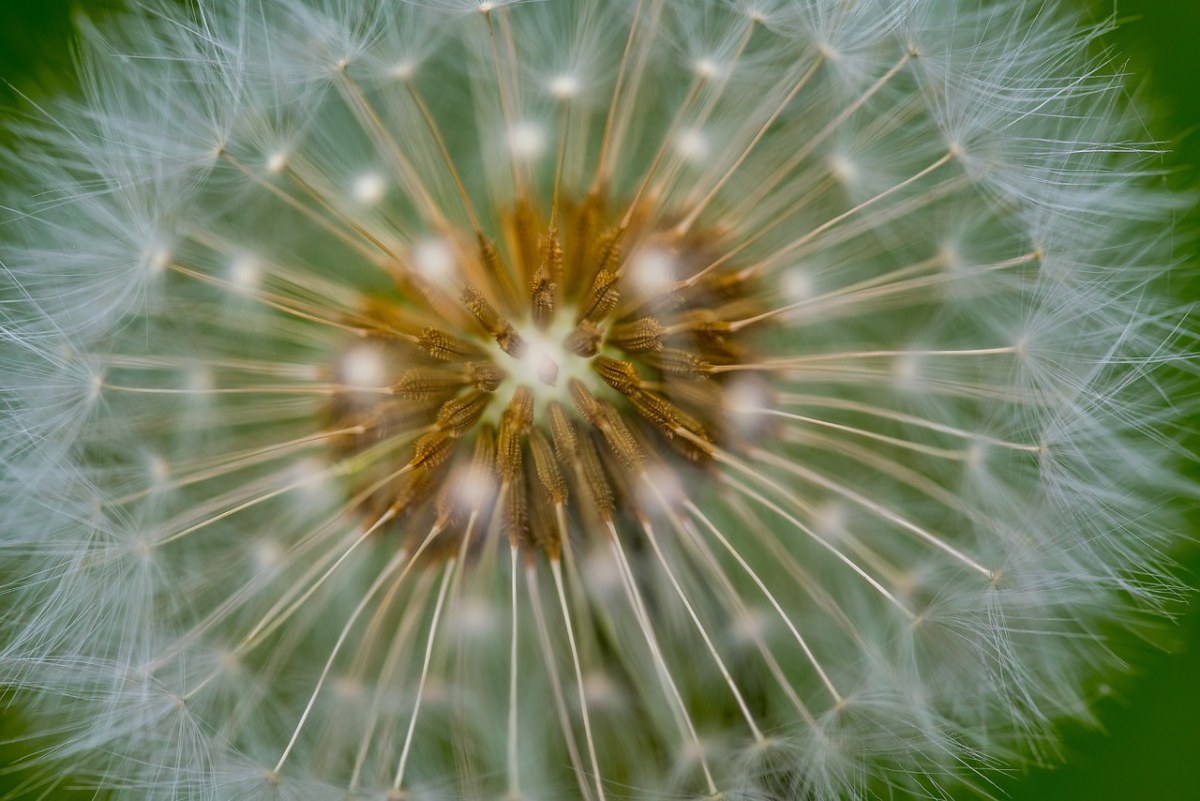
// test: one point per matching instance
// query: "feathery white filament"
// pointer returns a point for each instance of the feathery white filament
(813, 358)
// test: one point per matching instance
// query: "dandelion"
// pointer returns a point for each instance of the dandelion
(723, 398)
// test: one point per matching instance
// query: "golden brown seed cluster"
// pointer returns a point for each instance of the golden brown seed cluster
(535, 382)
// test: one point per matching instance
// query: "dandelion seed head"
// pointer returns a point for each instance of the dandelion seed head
(907, 371)
(245, 274)
(652, 270)
(369, 188)
(159, 469)
(156, 260)
(707, 68)
(740, 399)
(434, 260)
(526, 140)
(843, 169)
(564, 86)
(403, 70)
(277, 162)
(364, 367)
(268, 554)
(797, 284)
(693, 145)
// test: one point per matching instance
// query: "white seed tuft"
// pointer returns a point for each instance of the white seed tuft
(369, 188)
(773, 399)
(527, 141)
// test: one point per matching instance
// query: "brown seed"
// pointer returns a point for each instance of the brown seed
(639, 336)
(432, 449)
(657, 410)
(679, 363)
(496, 270)
(458, 415)
(618, 374)
(595, 479)
(602, 297)
(705, 324)
(484, 375)
(445, 348)
(516, 509)
(514, 423)
(522, 227)
(622, 440)
(481, 309)
(584, 340)
(553, 259)
(510, 341)
(425, 382)
(585, 401)
(562, 433)
(542, 295)
(547, 467)
(411, 491)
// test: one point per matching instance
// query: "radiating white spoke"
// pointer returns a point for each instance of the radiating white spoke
(878, 509)
(400, 558)
(433, 624)
(736, 607)
(830, 402)
(241, 507)
(364, 248)
(641, 31)
(807, 531)
(398, 648)
(810, 145)
(928, 450)
(241, 460)
(514, 753)
(556, 569)
(698, 206)
(664, 673)
(556, 689)
(704, 635)
(787, 620)
(369, 119)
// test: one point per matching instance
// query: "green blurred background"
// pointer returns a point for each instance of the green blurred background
(1149, 748)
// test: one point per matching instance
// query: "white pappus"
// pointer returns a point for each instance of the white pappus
(740, 399)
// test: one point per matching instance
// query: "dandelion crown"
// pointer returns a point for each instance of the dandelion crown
(732, 399)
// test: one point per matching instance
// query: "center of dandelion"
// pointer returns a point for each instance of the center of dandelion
(543, 360)
(537, 377)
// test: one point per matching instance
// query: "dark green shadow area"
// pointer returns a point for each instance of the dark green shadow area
(36, 44)
(1150, 747)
